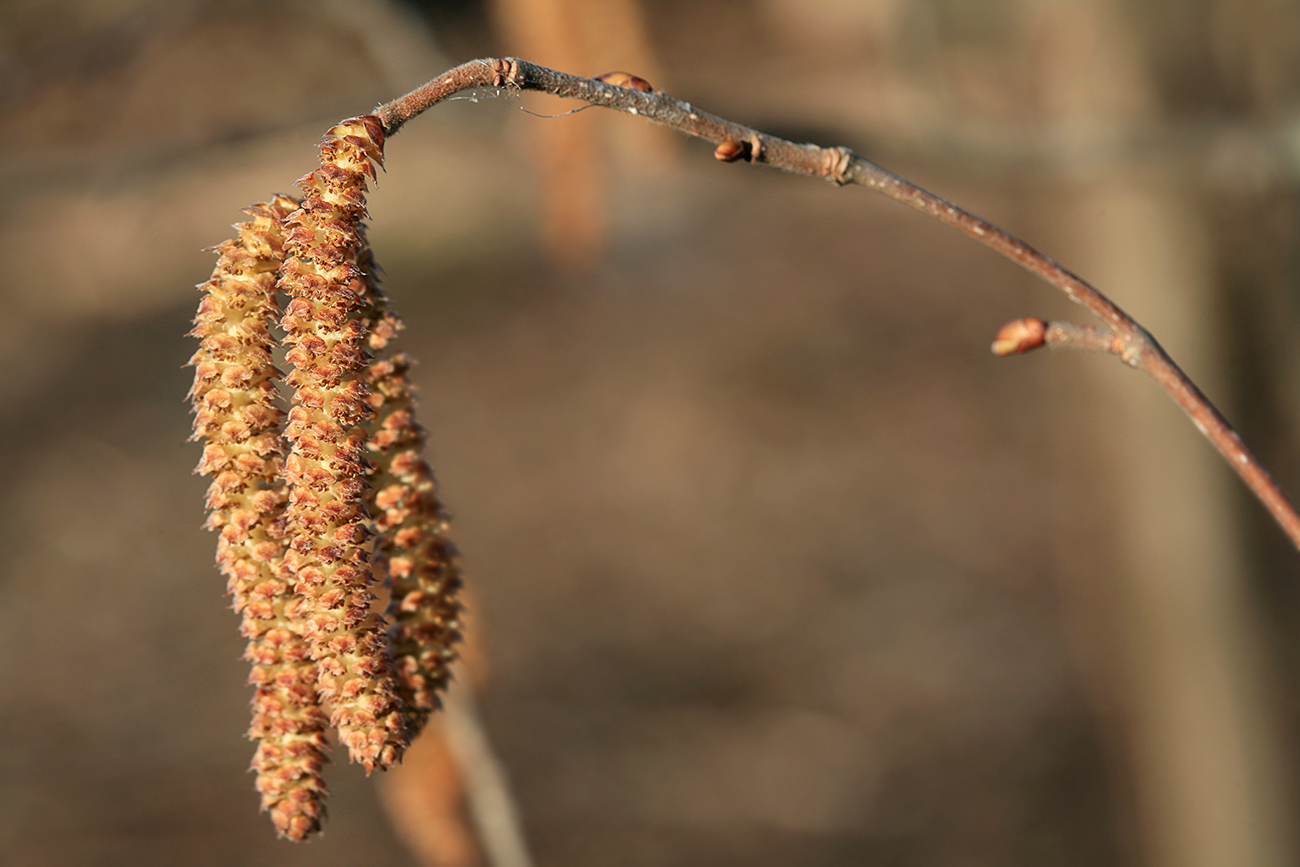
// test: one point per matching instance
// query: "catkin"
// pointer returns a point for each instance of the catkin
(412, 545)
(237, 417)
(327, 470)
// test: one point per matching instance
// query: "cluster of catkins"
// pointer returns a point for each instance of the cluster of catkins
(319, 505)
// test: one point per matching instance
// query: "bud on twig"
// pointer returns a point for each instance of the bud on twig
(626, 79)
(1020, 335)
(732, 150)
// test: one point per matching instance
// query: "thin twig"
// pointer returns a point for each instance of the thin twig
(1023, 335)
(841, 166)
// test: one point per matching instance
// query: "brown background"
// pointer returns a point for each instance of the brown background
(774, 563)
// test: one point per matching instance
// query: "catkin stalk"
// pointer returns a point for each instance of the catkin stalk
(327, 469)
(237, 417)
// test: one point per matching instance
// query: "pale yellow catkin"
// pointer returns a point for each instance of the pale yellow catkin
(239, 422)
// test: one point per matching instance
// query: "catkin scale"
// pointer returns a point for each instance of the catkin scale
(237, 417)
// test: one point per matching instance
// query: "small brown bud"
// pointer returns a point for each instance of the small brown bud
(626, 79)
(1020, 335)
(732, 150)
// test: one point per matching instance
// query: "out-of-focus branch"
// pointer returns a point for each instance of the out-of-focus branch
(491, 804)
(839, 165)
(425, 799)
(451, 800)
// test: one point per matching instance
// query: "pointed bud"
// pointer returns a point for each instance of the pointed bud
(1020, 335)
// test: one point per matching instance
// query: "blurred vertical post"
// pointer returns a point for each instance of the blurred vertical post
(1174, 630)
(584, 37)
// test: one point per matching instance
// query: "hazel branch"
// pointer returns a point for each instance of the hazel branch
(841, 166)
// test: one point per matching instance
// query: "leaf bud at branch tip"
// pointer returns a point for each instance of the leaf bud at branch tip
(1020, 335)
(732, 150)
(626, 79)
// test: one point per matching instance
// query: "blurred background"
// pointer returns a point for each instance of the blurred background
(773, 562)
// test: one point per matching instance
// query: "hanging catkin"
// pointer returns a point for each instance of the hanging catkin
(328, 525)
(412, 547)
(239, 422)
